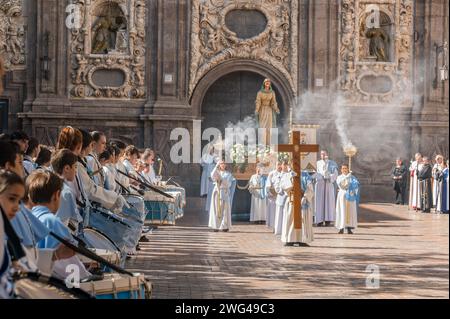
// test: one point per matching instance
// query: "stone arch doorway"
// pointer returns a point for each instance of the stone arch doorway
(227, 94)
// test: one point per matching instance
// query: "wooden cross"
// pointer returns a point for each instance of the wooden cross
(296, 148)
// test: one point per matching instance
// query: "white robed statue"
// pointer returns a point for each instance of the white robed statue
(325, 202)
(305, 235)
(257, 183)
(272, 195)
(414, 187)
(221, 199)
(347, 201)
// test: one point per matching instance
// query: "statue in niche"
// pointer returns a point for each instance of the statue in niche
(378, 44)
(110, 34)
(101, 42)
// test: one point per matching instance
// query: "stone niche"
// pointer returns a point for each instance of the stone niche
(107, 51)
(264, 30)
(12, 34)
(375, 52)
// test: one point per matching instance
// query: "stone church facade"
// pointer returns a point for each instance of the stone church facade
(137, 69)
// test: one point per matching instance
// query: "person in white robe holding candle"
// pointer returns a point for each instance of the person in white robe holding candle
(221, 199)
(347, 201)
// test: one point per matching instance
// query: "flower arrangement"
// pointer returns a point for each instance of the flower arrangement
(242, 156)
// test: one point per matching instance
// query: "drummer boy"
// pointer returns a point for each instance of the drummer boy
(44, 190)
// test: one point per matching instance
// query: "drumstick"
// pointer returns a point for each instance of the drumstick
(89, 254)
(155, 189)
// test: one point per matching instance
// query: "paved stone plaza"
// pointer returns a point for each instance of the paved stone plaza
(410, 249)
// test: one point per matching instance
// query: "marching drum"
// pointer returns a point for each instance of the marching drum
(137, 207)
(163, 210)
(37, 286)
(116, 286)
(102, 246)
(124, 232)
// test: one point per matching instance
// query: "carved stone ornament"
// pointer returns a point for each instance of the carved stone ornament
(212, 41)
(12, 34)
(365, 78)
(111, 37)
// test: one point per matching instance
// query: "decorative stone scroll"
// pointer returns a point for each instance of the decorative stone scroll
(109, 43)
(375, 60)
(212, 41)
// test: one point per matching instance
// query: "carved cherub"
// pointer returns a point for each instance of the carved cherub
(81, 70)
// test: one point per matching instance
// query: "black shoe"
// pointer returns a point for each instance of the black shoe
(327, 224)
(226, 230)
(288, 245)
(341, 232)
(303, 244)
(350, 231)
(144, 239)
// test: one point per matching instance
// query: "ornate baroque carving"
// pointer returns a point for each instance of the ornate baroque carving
(12, 34)
(355, 64)
(126, 30)
(213, 43)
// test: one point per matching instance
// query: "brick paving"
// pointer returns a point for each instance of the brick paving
(411, 250)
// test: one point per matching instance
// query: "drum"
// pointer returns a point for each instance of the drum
(124, 232)
(160, 209)
(116, 286)
(137, 207)
(102, 246)
(37, 286)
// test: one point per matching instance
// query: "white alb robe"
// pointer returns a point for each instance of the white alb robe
(414, 188)
(437, 169)
(208, 165)
(346, 211)
(271, 198)
(258, 211)
(280, 202)
(220, 209)
(325, 199)
(306, 234)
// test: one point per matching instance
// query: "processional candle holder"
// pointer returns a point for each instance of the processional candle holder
(350, 151)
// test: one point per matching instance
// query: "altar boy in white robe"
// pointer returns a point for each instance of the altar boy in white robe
(281, 198)
(289, 235)
(414, 187)
(325, 205)
(347, 201)
(258, 211)
(221, 201)
(272, 195)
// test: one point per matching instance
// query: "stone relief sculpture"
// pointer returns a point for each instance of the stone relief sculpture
(213, 43)
(12, 34)
(112, 37)
(380, 53)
